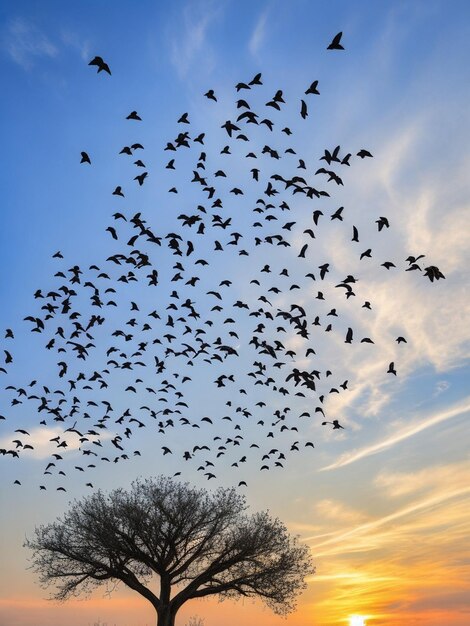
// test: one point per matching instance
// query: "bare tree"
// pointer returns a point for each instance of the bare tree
(171, 543)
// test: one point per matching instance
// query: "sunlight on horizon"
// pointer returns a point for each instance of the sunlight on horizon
(357, 620)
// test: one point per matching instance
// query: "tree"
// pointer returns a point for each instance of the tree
(192, 542)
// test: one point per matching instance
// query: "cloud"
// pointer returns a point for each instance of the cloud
(363, 534)
(259, 34)
(187, 46)
(406, 432)
(399, 484)
(43, 447)
(25, 43)
(338, 511)
(72, 39)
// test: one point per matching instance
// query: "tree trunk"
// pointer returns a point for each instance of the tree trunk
(166, 616)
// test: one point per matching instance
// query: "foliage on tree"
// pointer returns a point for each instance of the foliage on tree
(171, 543)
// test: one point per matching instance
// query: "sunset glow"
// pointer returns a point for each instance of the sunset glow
(356, 620)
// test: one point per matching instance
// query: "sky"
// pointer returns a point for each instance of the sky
(384, 502)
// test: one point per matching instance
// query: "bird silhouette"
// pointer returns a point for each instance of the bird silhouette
(335, 43)
(100, 64)
(210, 94)
(335, 424)
(133, 115)
(313, 89)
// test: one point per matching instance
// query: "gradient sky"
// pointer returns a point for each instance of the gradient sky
(384, 505)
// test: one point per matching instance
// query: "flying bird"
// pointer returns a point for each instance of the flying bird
(335, 424)
(100, 64)
(313, 89)
(335, 43)
(211, 95)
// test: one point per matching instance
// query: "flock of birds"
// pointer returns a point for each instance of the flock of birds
(227, 328)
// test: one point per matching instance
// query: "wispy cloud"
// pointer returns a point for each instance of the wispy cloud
(188, 45)
(74, 41)
(399, 484)
(406, 432)
(259, 34)
(338, 511)
(25, 43)
(364, 530)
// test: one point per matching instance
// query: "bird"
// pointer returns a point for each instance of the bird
(335, 42)
(256, 80)
(133, 115)
(85, 158)
(335, 424)
(100, 64)
(303, 251)
(337, 215)
(112, 231)
(211, 95)
(141, 177)
(433, 273)
(382, 222)
(313, 89)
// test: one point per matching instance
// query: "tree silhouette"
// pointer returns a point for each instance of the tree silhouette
(193, 542)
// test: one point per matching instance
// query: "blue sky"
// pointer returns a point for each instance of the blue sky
(399, 470)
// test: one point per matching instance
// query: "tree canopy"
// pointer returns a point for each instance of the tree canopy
(171, 543)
